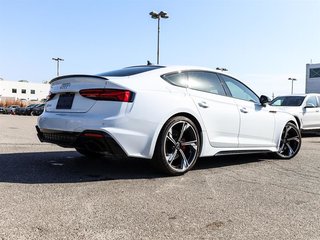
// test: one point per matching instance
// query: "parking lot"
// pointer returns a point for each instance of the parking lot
(49, 192)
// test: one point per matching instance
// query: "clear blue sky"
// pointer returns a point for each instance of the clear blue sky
(261, 42)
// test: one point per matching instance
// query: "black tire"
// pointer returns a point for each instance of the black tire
(178, 146)
(89, 154)
(290, 142)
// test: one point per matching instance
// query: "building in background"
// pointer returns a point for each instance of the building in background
(313, 78)
(23, 91)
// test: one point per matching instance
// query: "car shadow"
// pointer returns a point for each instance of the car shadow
(308, 134)
(71, 167)
(230, 160)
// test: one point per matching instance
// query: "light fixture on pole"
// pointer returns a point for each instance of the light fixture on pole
(292, 79)
(159, 15)
(58, 66)
(221, 69)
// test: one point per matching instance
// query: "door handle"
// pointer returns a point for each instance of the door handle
(203, 104)
(243, 110)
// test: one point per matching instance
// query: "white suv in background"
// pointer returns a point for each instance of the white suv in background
(304, 107)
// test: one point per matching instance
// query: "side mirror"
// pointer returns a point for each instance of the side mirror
(264, 100)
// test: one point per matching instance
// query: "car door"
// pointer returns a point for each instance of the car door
(311, 113)
(219, 112)
(257, 122)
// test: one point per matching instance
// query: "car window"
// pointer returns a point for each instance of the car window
(178, 79)
(289, 101)
(312, 101)
(206, 82)
(239, 90)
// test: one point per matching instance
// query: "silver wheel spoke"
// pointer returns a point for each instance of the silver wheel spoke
(293, 139)
(172, 156)
(191, 143)
(287, 131)
(291, 152)
(169, 136)
(185, 126)
(282, 145)
(184, 161)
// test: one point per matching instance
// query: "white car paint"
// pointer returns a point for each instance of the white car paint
(227, 124)
(307, 115)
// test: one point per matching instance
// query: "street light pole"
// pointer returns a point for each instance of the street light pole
(292, 79)
(58, 66)
(157, 16)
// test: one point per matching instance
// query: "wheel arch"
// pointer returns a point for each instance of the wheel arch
(298, 121)
(183, 114)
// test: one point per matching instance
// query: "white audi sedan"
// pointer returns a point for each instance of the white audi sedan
(172, 115)
(304, 107)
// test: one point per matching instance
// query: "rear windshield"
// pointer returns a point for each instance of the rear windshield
(289, 101)
(128, 71)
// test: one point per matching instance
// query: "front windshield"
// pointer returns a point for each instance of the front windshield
(288, 101)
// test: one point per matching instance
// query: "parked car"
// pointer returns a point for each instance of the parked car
(29, 109)
(20, 110)
(2, 110)
(304, 107)
(11, 109)
(37, 110)
(172, 115)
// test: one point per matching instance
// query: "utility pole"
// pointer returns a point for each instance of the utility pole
(155, 15)
(292, 79)
(58, 61)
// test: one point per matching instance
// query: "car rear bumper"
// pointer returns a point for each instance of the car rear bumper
(91, 140)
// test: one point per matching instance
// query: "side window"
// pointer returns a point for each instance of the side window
(206, 82)
(239, 90)
(312, 101)
(178, 79)
(277, 102)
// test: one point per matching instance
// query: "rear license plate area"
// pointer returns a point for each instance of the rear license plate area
(65, 101)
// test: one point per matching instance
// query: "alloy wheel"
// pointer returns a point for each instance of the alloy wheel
(181, 146)
(290, 141)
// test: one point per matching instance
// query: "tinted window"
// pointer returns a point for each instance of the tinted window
(312, 101)
(239, 90)
(315, 73)
(129, 71)
(206, 82)
(178, 79)
(287, 101)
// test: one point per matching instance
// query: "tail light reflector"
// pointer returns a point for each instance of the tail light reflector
(93, 135)
(108, 94)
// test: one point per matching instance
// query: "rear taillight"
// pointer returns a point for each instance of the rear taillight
(50, 96)
(108, 94)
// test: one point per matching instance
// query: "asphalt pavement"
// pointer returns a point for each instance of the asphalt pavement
(48, 192)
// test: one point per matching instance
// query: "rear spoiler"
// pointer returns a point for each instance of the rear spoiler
(76, 75)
